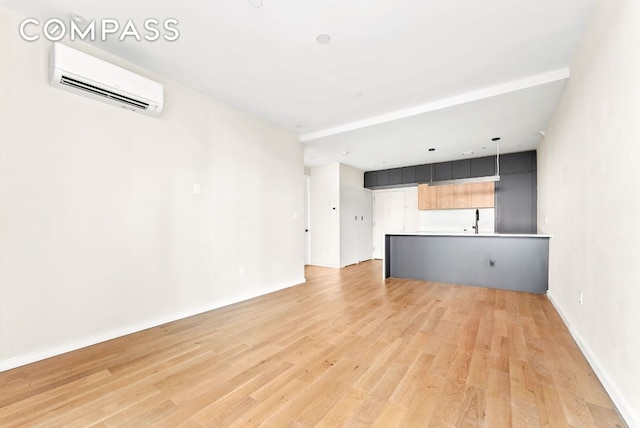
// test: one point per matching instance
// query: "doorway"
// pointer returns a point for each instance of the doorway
(307, 220)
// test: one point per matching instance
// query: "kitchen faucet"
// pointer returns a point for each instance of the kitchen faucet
(475, 227)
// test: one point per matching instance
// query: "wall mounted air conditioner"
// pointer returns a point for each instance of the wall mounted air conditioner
(82, 74)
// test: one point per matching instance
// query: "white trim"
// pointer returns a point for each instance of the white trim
(624, 409)
(32, 357)
(325, 265)
(492, 91)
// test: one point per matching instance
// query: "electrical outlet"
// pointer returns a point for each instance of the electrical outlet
(580, 296)
(196, 189)
(240, 270)
(492, 263)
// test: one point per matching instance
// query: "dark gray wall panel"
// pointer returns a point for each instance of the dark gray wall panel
(483, 167)
(461, 169)
(370, 179)
(534, 161)
(521, 263)
(382, 178)
(515, 163)
(423, 173)
(395, 176)
(442, 171)
(409, 175)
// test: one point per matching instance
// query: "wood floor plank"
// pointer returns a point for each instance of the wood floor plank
(368, 411)
(239, 399)
(344, 409)
(264, 409)
(346, 348)
(413, 380)
(391, 416)
(605, 416)
(139, 411)
(472, 409)
(498, 401)
(318, 396)
(424, 402)
(448, 408)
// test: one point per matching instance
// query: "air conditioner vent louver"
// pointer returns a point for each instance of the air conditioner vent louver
(102, 92)
(86, 75)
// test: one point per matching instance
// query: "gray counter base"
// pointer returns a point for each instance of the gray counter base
(519, 263)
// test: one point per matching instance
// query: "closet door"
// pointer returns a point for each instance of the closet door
(349, 226)
(365, 209)
(355, 225)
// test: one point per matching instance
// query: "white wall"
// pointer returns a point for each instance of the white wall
(101, 233)
(588, 177)
(356, 225)
(337, 192)
(351, 177)
(390, 215)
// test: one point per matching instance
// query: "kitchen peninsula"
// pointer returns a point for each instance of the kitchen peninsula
(517, 262)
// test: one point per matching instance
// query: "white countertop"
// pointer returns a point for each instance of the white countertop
(499, 235)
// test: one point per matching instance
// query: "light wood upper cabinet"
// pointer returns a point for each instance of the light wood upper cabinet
(427, 197)
(445, 197)
(468, 195)
(462, 195)
(483, 195)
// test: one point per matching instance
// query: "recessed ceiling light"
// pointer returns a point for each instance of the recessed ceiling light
(312, 157)
(323, 39)
(432, 149)
(382, 163)
(359, 94)
(298, 126)
(256, 3)
(344, 153)
(484, 148)
(469, 153)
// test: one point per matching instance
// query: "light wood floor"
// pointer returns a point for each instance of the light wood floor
(345, 348)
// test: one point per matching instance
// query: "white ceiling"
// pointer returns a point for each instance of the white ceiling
(397, 77)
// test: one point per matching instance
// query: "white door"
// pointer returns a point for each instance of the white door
(349, 225)
(366, 225)
(388, 217)
(356, 207)
(324, 229)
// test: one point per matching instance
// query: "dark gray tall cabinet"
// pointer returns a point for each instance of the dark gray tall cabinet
(516, 194)
(516, 203)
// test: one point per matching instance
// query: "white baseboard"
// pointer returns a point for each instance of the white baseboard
(32, 357)
(325, 265)
(626, 411)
